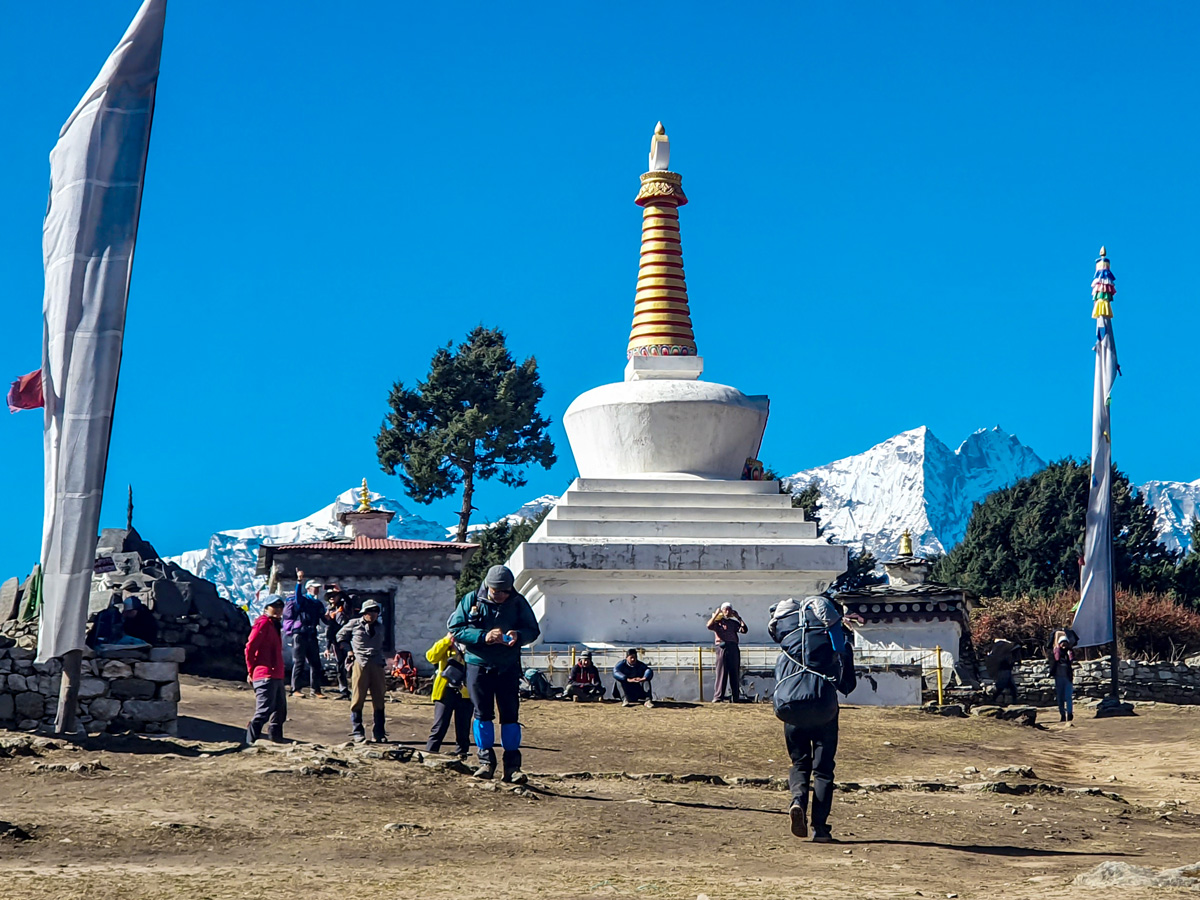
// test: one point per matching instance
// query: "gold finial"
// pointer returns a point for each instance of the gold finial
(1103, 252)
(906, 547)
(658, 129)
(364, 500)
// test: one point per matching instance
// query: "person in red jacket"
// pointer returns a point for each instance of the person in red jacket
(264, 668)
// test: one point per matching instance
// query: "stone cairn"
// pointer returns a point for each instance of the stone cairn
(122, 688)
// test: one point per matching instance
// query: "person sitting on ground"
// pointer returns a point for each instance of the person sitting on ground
(451, 699)
(109, 627)
(264, 671)
(365, 636)
(138, 622)
(633, 680)
(584, 681)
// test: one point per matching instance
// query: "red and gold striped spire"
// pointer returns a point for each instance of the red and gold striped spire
(662, 321)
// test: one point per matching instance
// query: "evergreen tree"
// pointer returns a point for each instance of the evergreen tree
(496, 544)
(860, 572)
(1027, 539)
(1187, 576)
(473, 417)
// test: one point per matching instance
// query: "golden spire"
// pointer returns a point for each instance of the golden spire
(662, 320)
(364, 499)
(906, 547)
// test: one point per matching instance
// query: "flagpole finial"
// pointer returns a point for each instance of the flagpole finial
(1103, 252)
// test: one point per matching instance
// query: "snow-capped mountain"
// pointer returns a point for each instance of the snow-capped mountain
(1177, 504)
(530, 510)
(914, 481)
(231, 557)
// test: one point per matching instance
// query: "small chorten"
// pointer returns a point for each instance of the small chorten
(365, 520)
(907, 568)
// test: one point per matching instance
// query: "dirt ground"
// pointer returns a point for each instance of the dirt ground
(196, 817)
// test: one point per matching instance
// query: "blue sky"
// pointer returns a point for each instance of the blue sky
(895, 211)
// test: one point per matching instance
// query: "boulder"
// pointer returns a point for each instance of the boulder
(169, 692)
(166, 599)
(157, 671)
(149, 710)
(7, 707)
(29, 705)
(90, 688)
(105, 708)
(132, 689)
(99, 600)
(168, 654)
(16, 683)
(115, 668)
(9, 599)
(205, 600)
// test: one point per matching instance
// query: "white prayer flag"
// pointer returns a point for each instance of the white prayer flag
(1094, 616)
(96, 175)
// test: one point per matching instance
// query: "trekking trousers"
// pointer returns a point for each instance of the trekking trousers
(306, 662)
(729, 671)
(812, 751)
(494, 691)
(1064, 691)
(453, 705)
(270, 709)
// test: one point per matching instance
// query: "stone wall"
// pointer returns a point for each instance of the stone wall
(1164, 682)
(125, 690)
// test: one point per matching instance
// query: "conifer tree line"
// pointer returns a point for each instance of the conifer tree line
(1027, 540)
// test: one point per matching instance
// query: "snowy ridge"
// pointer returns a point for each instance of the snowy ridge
(530, 510)
(1177, 504)
(914, 481)
(231, 556)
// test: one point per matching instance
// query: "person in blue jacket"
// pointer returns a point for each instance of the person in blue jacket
(492, 624)
(633, 679)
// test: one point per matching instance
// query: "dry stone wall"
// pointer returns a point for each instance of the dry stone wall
(125, 689)
(1164, 682)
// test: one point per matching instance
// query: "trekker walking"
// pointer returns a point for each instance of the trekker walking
(816, 663)
(365, 636)
(1062, 668)
(492, 624)
(302, 618)
(264, 670)
(726, 625)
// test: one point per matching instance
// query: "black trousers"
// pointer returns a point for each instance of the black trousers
(634, 692)
(343, 676)
(453, 705)
(812, 751)
(270, 709)
(306, 662)
(729, 671)
(1005, 684)
(495, 691)
(585, 691)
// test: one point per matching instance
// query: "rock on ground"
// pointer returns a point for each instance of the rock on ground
(1120, 874)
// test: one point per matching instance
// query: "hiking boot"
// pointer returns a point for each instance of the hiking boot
(822, 834)
(1062, 717)
(1070, 717)
(516, 776)
(485, 772)
(649, 704)
(627, 703)
(358, 738)
(318, 695)
(799, 819)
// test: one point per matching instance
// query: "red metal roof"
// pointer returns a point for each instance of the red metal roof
(366, 543)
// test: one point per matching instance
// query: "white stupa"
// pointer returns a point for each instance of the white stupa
(660, 527)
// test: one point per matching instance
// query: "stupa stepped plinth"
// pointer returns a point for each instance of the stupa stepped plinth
(659, 527)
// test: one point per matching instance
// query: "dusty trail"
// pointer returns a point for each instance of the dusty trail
(196, 819)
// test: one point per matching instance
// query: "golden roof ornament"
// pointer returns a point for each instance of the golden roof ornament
(906, 545)
(364, 499)
(662, 319)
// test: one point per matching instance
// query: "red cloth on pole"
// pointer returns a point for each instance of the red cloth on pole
(26, 392)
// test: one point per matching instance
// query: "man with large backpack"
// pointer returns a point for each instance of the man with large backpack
(815, 663)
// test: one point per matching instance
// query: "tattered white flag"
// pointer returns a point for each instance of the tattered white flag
(96, 174)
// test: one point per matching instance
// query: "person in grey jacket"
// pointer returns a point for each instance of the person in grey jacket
(365, 636)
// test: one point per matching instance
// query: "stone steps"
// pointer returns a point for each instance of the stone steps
(727, 514)
(667, 529)
(675, 499)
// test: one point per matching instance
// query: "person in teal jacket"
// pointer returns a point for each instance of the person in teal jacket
(492, 624)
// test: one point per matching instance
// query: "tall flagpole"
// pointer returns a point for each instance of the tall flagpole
(1095, 620)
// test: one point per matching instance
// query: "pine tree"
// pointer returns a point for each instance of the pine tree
(860, 572)
(1187, 577)
(1027, 539)
(474, 417)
